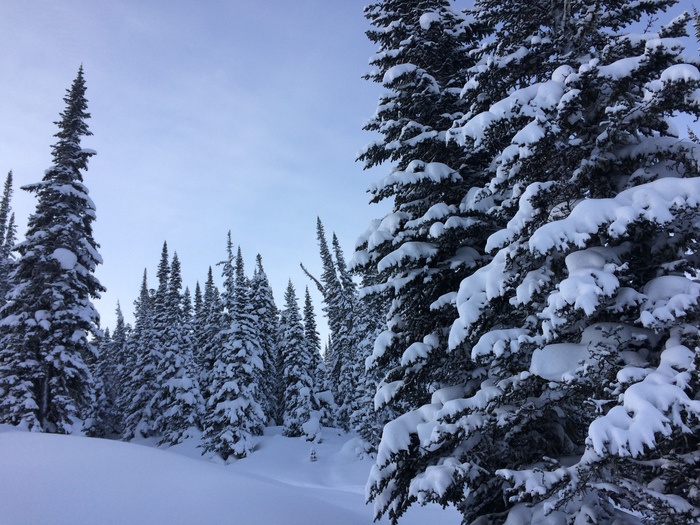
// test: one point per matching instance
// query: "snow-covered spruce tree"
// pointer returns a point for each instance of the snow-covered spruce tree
(161, 319)
(427, 243)
(144, 353)
(145, 415)
(113, 370)
(178, 398)
(300, 418)
(267, 329)
(197, 322)
(97, 418)
(338, 306)
(107, 417)
(233, 413)
(323, 397)
(365, 419)
(367, 323)
(46, 323)
(313, 339)
(7, 238)
(209, 319)
(584, 323)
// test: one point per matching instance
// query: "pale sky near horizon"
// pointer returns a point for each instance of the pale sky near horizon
(207, 117)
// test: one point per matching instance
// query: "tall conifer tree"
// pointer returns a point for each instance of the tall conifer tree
(7, 238)
(46, 325)
(323, 397)
(299, 415)
(580, 334)
(267, 329)
(179, 399)
(139, 377)
(210, 322)
(234, 413)
(338, 297)
(427, 243)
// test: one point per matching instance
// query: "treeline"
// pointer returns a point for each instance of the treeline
(228, 362)
(221, 363)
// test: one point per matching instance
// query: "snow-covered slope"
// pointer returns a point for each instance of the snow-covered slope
(75, 480)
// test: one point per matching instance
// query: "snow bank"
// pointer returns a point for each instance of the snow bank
(68, 480)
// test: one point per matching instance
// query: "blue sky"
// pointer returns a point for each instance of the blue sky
(207, 117)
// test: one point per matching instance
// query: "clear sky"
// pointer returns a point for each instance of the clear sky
(207, 116)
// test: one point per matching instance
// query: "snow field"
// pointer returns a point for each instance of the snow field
(71, 480)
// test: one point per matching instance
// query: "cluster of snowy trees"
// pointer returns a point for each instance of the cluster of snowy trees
(222, 363)
(541, 260)
(228, 363)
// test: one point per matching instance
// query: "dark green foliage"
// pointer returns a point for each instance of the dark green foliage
(178, 398)
(7, 238)
(419, 252)
(139, 375)
(298, 372)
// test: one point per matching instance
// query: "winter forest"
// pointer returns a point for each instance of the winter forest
(518, 338)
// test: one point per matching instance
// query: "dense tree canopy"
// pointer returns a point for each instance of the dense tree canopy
(588, 295)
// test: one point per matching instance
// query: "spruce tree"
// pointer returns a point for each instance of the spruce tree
(46, 324)
(146, 412)
(96, 423)
(366, 419)
(267, 328)
(198, 323)
(209, 323)
(323, 397)
(178, 398)
(338, 306)
(580, 334)
(7, 238)
(421, 250)
(300, 418)
(114, 368)
(234, 414)
(139, 376)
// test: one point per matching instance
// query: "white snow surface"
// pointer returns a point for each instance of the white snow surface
(428, 19)
(554, 362)
(66, 258)
(75, 480)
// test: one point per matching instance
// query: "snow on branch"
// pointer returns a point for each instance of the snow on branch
(654, 406)
(654, 201)
(417, 172)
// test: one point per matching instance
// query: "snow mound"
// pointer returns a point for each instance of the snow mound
(72, 480)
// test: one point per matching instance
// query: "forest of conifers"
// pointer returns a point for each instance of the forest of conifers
(518, 336)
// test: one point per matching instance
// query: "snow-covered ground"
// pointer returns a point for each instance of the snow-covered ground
(62, 480)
